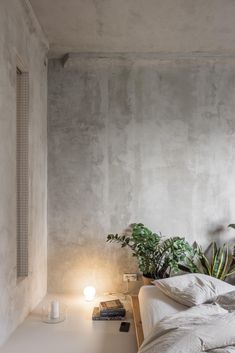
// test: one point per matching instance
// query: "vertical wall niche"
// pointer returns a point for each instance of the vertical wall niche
(22, 169)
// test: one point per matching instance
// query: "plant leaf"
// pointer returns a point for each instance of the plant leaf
(230, 273)
(225, 269)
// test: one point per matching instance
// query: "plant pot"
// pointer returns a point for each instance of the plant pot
(147, 280)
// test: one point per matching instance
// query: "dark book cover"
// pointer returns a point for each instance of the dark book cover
(96, 316)
(111, 305)
(117, 312)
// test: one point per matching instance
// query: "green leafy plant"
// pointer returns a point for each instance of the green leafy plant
(143, 243)
(172, 254)
(217, 263)
(157, 256)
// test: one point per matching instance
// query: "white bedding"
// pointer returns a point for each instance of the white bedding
(170, 327)
(203, 328)
(154, 306)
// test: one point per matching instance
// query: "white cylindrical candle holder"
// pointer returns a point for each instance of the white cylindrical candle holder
(55, 309)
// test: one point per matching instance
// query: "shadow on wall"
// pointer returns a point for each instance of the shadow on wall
(221, 233)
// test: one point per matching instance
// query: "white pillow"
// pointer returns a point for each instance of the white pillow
(193, 289)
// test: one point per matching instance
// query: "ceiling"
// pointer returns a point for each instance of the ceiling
(137, 25)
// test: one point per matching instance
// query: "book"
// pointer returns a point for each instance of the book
(96, 316)
(111, 305)
(116, 312)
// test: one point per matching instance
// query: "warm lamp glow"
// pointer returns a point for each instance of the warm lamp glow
(89, 293)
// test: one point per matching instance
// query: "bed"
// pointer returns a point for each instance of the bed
(149, 307)
(154, 306)
(156, 314)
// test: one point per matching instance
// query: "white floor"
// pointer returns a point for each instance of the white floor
(78, 334)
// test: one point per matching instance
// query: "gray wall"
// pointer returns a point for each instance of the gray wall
(20, 35)
(137, 25)
(136, 140)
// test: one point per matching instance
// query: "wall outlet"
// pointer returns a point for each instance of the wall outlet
(129, 277)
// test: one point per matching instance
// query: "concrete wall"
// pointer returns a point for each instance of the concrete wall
(20, 36)
(135, 140)
(137, 25)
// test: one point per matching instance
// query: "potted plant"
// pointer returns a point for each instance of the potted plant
(157, 256)
(143, 242)
(217, 261)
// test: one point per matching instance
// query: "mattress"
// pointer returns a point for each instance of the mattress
(154, 306)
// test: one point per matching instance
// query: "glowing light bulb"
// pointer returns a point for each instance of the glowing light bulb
(89, 293)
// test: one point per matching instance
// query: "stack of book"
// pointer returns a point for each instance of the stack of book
(109, 310)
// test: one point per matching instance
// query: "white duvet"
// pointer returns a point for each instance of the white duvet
(203, 328)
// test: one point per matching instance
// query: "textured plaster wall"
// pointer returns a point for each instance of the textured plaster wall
(137, 25)
(136, 140)
(19, 35)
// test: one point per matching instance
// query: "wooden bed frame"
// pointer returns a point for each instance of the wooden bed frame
(137, 319)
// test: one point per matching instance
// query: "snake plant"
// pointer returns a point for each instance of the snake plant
(218, 263)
